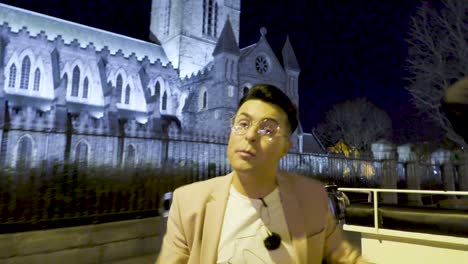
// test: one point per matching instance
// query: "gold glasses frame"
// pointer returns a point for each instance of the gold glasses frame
(241, 129)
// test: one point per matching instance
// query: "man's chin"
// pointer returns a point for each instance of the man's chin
(243, 167)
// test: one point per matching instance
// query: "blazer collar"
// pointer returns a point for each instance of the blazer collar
(293, 215)
(214, 215)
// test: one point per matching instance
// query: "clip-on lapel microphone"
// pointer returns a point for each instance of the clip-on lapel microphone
(273, 240)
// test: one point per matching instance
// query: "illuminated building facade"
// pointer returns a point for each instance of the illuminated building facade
(72, 92)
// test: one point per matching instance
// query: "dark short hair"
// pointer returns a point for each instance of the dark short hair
(271, 94)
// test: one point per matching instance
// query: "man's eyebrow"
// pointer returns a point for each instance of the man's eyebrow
(266, 118)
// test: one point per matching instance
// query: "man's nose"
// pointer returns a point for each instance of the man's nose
(252, 134)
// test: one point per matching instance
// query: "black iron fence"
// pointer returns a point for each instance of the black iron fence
(70, 194)
(57, 195)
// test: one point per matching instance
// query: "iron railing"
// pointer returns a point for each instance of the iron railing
(374, 197)
(57, 194)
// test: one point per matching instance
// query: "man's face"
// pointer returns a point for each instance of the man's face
(249, 151)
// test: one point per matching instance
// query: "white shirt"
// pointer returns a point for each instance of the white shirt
(247, 222)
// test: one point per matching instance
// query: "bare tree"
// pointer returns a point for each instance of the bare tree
(357, 122)
(438, 56)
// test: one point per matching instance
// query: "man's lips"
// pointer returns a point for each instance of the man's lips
(246, 153)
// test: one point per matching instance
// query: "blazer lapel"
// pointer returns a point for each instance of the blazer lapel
(214, 215)
(293, 216)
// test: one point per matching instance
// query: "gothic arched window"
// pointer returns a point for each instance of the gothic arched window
(85, 87)
(215, 20)
(204, 16)
(25, 69)
(167, 18)
(81, 154)
(12, 80)
(157, 89)
(210, 17)
(164, 101)
(205, 95)
(24, 153)
(245, 90)
(118, 88)
(37, 79)
(75, 81)
(127, 95)
(130, 156)
(65, 81)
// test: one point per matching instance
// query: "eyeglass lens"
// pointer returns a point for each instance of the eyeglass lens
(265, 127)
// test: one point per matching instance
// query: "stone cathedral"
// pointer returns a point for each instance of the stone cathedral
(72, 92)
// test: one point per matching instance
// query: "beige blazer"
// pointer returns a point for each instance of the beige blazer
(196, 217)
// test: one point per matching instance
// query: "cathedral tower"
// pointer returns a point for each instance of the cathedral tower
(189, 29)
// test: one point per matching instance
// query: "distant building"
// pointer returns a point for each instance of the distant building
(72, 92)
(310, 143)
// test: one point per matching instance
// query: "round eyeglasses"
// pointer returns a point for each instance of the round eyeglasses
(266, 127)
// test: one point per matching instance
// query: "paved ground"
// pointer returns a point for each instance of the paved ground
(354, 238)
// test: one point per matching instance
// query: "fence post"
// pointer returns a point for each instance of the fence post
(407, 156)
(442, 157)
(385, 151)
(463, 173)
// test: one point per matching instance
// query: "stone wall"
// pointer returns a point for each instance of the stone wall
(133, 241)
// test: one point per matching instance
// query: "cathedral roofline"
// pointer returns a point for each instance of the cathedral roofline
(246, 50)
(199, 75)
(17, 19)
(227, 41)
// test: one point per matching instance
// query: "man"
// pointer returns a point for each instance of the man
(255, 214)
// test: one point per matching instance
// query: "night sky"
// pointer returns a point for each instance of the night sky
(346, 49)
